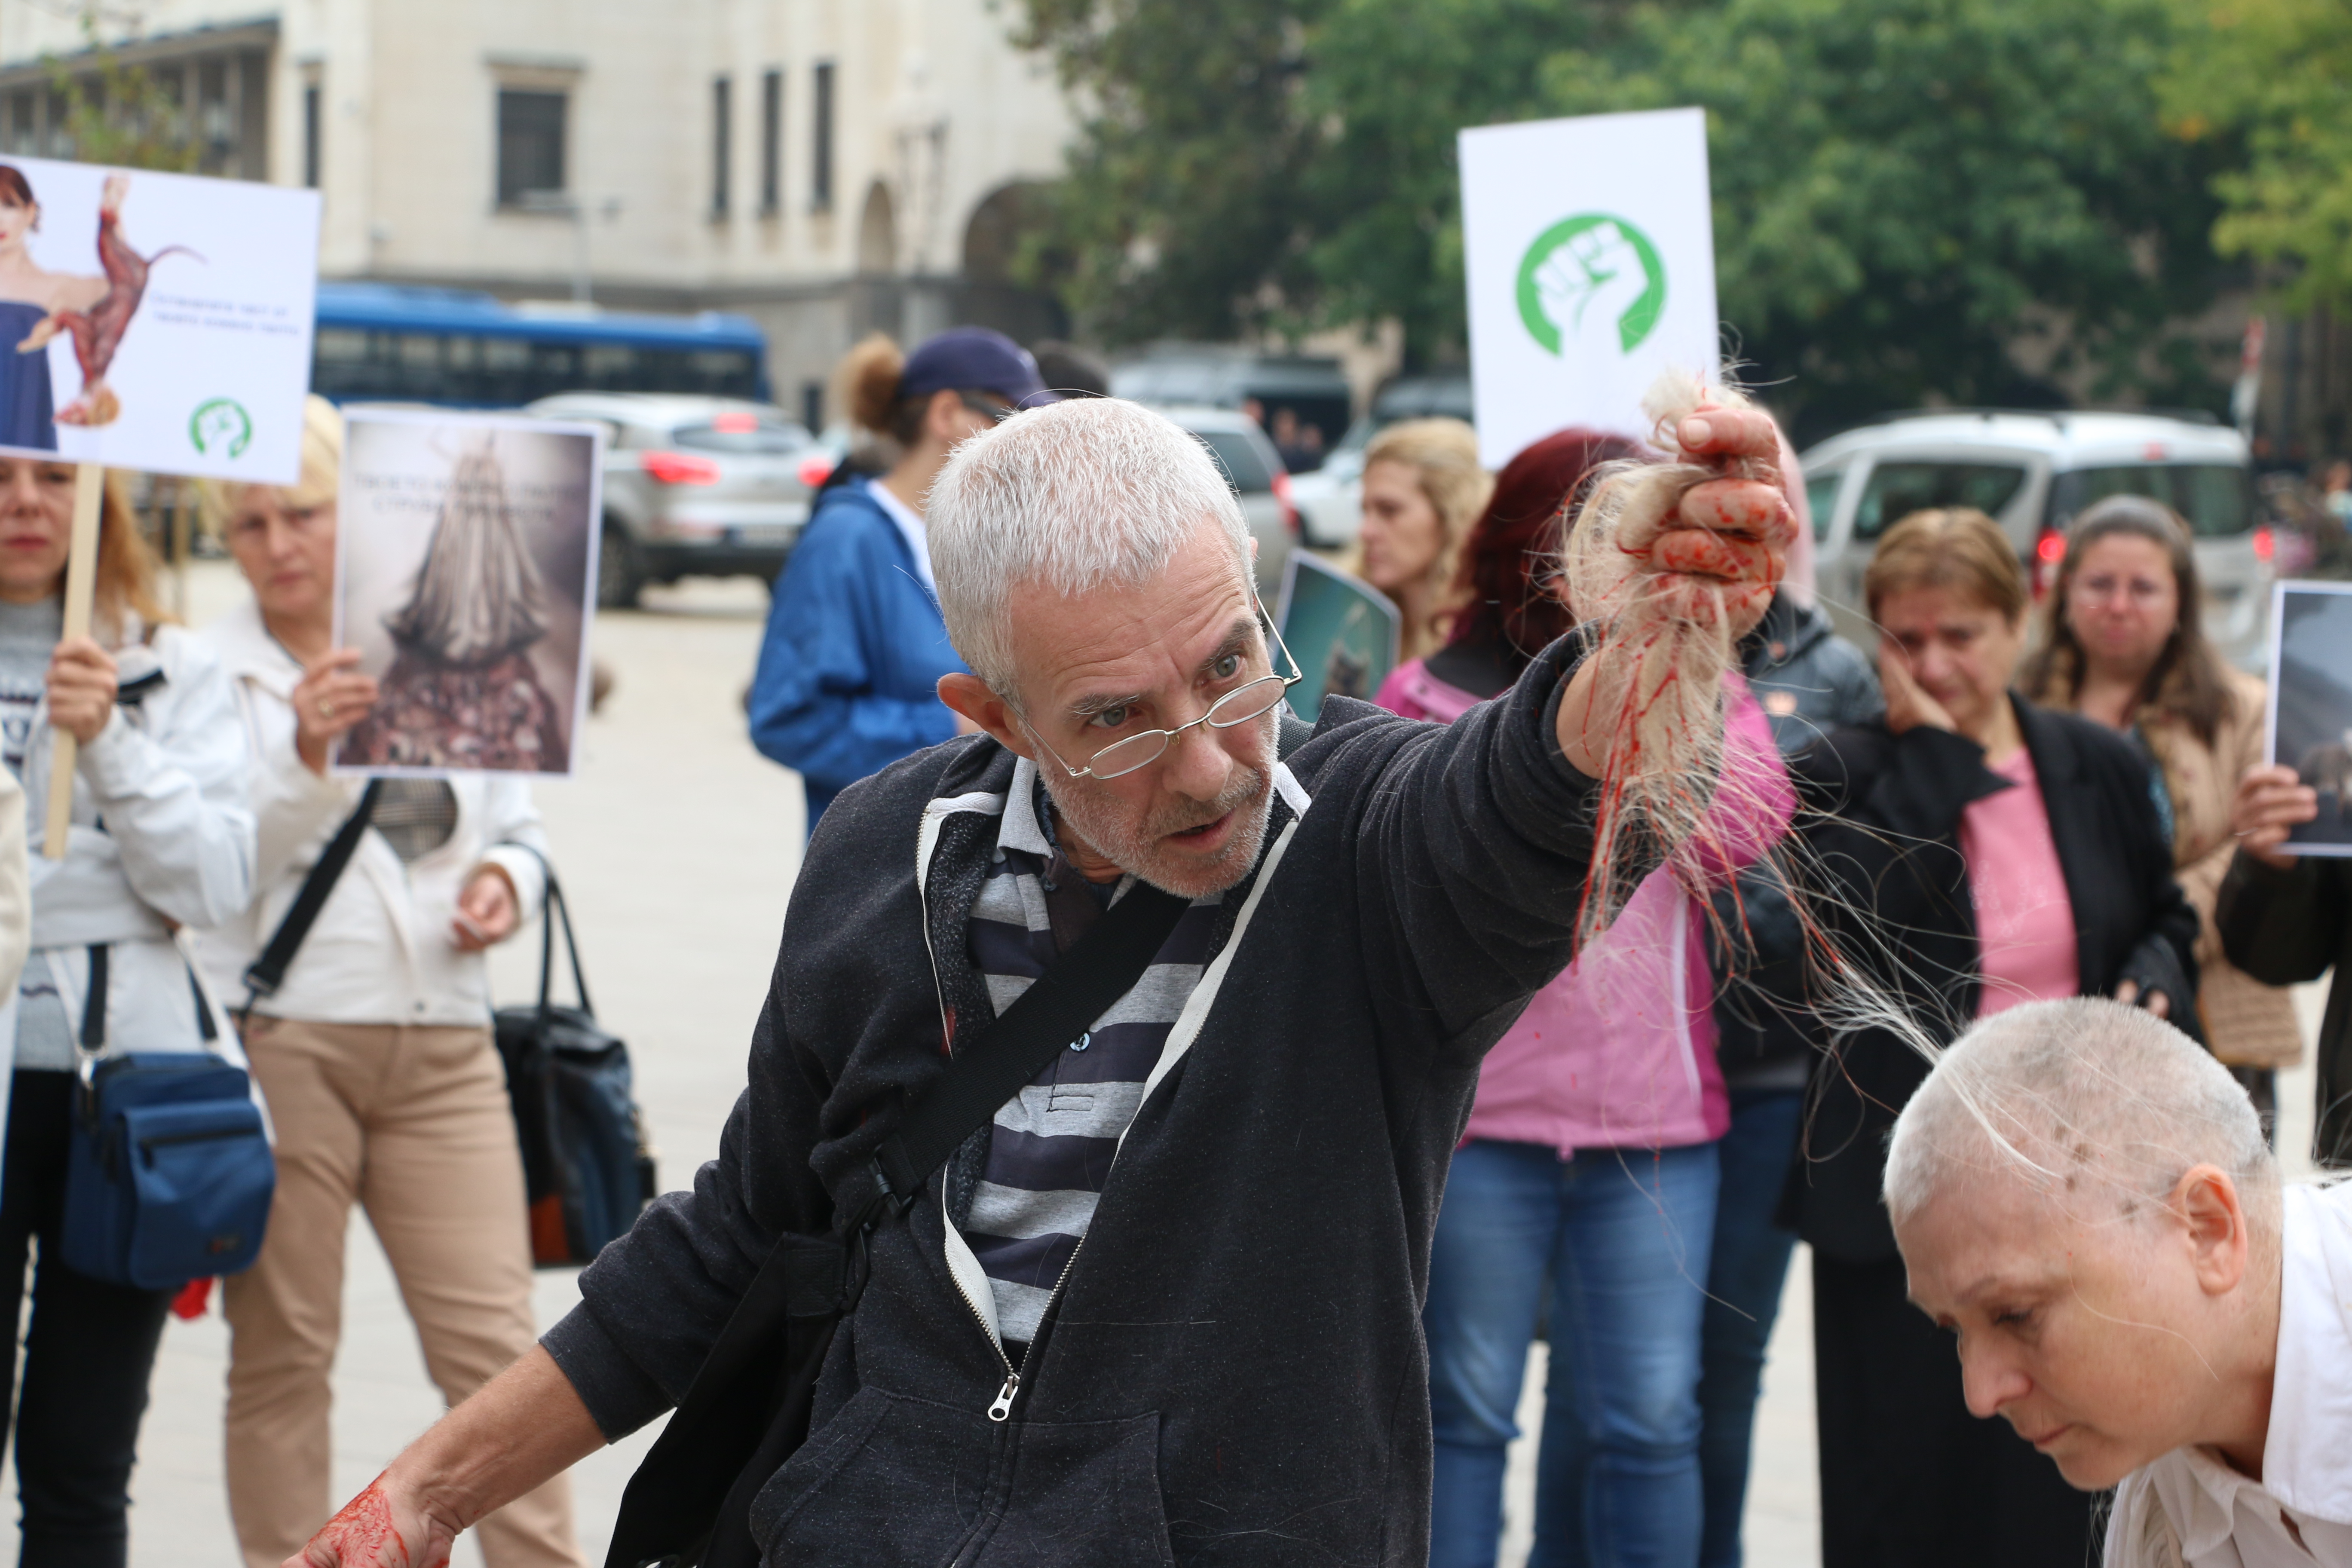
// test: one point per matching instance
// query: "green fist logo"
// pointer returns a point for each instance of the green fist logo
(220, 426)
(1591, 279)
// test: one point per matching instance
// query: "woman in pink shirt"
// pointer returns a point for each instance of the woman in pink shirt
(1589, 1166)
(1972, 852)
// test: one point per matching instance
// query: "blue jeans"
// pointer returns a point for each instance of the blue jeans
(1744, 1276)
(1621, 1238)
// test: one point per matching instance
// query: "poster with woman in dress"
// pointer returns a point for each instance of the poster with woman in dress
(466, 579)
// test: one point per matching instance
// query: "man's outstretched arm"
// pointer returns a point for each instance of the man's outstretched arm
(525, 1427)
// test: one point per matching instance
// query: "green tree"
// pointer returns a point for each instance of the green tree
(2276, 77)
(118, 114)
(1179, 214)
(1904, 189)
(1908, 191)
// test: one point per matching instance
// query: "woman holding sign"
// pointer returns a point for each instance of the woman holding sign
(375, 1049)
(161, 837)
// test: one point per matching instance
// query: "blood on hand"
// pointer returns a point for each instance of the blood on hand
(363, 1536)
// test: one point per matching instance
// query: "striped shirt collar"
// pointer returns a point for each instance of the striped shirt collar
(1021, 828)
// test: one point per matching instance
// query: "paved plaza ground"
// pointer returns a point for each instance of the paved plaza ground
(678, 845)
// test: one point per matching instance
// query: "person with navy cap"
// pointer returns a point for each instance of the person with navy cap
(854, 648)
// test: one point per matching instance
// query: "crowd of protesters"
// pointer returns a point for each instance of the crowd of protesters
(1018, 664)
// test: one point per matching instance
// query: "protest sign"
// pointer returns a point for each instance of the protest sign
(156, 322)
(149, 320)
(1588, 250)
(465, 575)
(2310, 715)
(1342, 631)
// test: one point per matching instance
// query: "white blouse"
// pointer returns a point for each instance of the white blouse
(2191, 1509)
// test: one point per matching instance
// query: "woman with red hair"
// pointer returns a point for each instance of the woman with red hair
(1590, 1165)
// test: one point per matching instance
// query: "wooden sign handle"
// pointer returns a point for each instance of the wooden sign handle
(81, 589)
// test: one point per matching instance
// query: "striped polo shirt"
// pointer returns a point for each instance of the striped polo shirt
(1050, 1151)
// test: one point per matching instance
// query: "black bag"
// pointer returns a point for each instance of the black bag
(586, 1166)
(748, 1407)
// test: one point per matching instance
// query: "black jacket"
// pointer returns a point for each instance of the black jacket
(2288, 927)
(1883, 832)
(1811, 682)
(1233, 1371)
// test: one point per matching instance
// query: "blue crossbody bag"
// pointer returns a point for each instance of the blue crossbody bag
(168, 1172)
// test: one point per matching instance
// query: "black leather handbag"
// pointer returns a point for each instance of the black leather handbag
(587, 1168)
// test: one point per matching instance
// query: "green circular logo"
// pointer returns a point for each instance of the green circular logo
(1591, 262)
(221, 427)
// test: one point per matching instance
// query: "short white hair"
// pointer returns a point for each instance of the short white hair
(1073, 495)
(2071, 1094)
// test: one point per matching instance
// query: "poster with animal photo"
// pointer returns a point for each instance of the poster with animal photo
(2311, 707)
(156, 322)
(465, 575)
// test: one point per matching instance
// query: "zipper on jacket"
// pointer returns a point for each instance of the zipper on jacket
(1001, 1410)
(1003, 1406)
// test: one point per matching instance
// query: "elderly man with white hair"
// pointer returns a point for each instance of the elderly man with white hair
(1163, 1304)
(2085, 1199)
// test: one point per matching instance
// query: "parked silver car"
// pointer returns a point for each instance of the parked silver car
(694, 487)
(2034, 472)
(1254, 471)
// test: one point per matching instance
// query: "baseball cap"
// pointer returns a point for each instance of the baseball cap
(977, 359)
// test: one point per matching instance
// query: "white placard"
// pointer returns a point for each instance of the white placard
(1590, 251)
(465, 575)
(188, 301)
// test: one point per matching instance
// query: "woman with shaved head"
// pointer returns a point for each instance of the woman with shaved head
(2085, 1200)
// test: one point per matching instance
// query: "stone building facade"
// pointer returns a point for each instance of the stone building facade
(826, 167)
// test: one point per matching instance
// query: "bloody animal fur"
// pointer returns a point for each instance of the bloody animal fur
(1665, 602)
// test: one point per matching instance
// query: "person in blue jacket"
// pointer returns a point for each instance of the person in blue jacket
(854, 648)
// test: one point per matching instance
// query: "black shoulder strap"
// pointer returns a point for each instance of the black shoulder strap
(1103, 965)
(265, 975)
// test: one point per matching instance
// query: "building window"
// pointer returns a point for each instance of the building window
(821, 143)
(771, 141)
(310, 135)
(722, 146)
(530, 144)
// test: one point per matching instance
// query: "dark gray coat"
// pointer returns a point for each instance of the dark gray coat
(1811, 682)
(1233, 1372)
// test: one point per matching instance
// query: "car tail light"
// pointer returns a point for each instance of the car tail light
(815, 470)
(678, 468)
(2266, 544)
(1289, 508)
(2049, 550)
(734, 423)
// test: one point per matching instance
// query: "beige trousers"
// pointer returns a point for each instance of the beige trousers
(413, 1124)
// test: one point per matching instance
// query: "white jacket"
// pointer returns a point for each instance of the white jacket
(2190, 1509)
(161, 837)
(381, 951)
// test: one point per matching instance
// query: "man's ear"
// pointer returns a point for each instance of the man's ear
(970, 696)
(2213, 1222)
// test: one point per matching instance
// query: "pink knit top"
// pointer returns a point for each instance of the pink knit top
(1619, 1051)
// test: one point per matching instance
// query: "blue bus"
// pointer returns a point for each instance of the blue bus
(466, 350)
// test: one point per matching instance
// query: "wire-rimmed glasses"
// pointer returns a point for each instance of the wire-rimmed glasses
(1251, 700)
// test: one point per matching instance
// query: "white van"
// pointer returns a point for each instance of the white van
(2034, 472)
